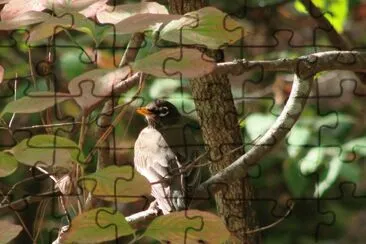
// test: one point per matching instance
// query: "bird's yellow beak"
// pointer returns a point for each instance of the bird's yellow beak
(144, 111)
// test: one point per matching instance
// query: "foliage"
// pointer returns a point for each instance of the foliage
(88, 27)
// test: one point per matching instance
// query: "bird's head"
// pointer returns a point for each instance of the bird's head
(159, 113)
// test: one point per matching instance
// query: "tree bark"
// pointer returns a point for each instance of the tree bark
(221, 133)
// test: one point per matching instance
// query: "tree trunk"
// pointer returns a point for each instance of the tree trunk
(221, 133)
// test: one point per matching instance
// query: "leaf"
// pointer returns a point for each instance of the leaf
(27, 18)
(335, 11)
(297, 139)
(70, 65)
(295, 181)
(17, 8)
(184, 102)
(333, 125)
(35, 102)
(8, 231)
(85, 25)
(93, 86)
(121, 183)
(257, 124)
(208, 26)
(118, 13)
(49, 149)
(74, 21)
(357, 146)
(351, 172)
(92, 10)
(8, 164)
(188, 227)
(312, 160)
(141, 22)
(162, 87)
(1, 74)
(329, 176)
(189, 63)
(50, 27)
(97, 225)
(66, 6)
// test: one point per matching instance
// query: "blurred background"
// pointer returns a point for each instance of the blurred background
(320, 166)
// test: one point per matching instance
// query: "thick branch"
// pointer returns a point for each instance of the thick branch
(288, 117)
(321, 61)
(335, 38)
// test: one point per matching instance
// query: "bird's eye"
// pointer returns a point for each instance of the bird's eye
(163, 111)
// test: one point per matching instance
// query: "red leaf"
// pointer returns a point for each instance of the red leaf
(15, 8)
(116, 14)
(1, 74)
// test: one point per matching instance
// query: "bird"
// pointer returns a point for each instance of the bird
(163, 152)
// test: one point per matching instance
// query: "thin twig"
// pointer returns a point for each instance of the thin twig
(273, 224)
(79, 171)
(48, 126)
(115, 121)
(15, 98)
(24, 226)
(43, 207)
(17, 184)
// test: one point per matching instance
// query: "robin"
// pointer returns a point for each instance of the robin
(164, 152)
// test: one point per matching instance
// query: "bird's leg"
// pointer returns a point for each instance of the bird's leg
(154, 207)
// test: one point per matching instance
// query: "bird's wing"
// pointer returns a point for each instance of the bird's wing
(187, 144)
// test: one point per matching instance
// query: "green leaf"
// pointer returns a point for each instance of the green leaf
(176, 62)
(295, 181)
(93, 86)
(339, 125)
(208, 26)
(8, 231)
(71, 66)
(357, 146)
(335, 11)
(147, 48)
(298, 138)
(49, 149)
(184, 102)
(188, 227)
(8, 164)
(312, 160)
(35, 102)
(121, 183)
(89, 27)
(163, 87)
(351, 172)
(329, 176)
(28, 18)
(257, 124)
(97, 225)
